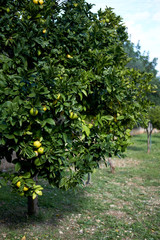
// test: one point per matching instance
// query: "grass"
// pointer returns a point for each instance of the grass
(124, 205)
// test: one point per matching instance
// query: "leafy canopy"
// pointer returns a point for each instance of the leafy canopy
(64, 83)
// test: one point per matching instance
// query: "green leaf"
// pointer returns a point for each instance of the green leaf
(120, 117)
(84, 92)
(32, 95)
(107, 118)
(17, 166)
(27, 175)
(50, 121)
(85, 129)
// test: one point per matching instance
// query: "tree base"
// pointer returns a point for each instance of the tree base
(33, 206)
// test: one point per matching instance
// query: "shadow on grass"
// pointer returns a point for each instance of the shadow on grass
(53, 206)
(135, 148)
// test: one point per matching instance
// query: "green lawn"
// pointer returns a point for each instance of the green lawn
(124, 205)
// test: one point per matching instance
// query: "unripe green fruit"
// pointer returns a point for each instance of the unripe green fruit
(90, 125)
(75, 116)
(41, 150)
(71, 115)
(33, 112)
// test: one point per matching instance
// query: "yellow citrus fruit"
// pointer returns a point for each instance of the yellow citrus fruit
(23, 238)
(44, 30)
(25, 189)
(69, 56)
(41, 2)
(36, 153)
(37, 144)
(35, 1)
(58, 96)
(90, 125)
(41, 150)
(75, 116)
(8, 10)
(18, 184)
(44, 108)
(71, 115)
(75, 4)
(33, 111)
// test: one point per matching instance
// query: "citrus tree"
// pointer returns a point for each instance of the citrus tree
(154, 116)
(67, 99)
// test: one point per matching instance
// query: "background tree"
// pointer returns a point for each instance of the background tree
(141, 61)
(154, 116)
(67, 97)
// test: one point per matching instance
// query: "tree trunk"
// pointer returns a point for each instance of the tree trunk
(33, 203)
(111, 165)
(149, 132)
(148, 142)
(88, 179)
(32, 206)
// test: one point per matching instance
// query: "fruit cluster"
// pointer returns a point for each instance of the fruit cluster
(40, 150)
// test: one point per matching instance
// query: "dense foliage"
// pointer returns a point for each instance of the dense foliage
(67, 99)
